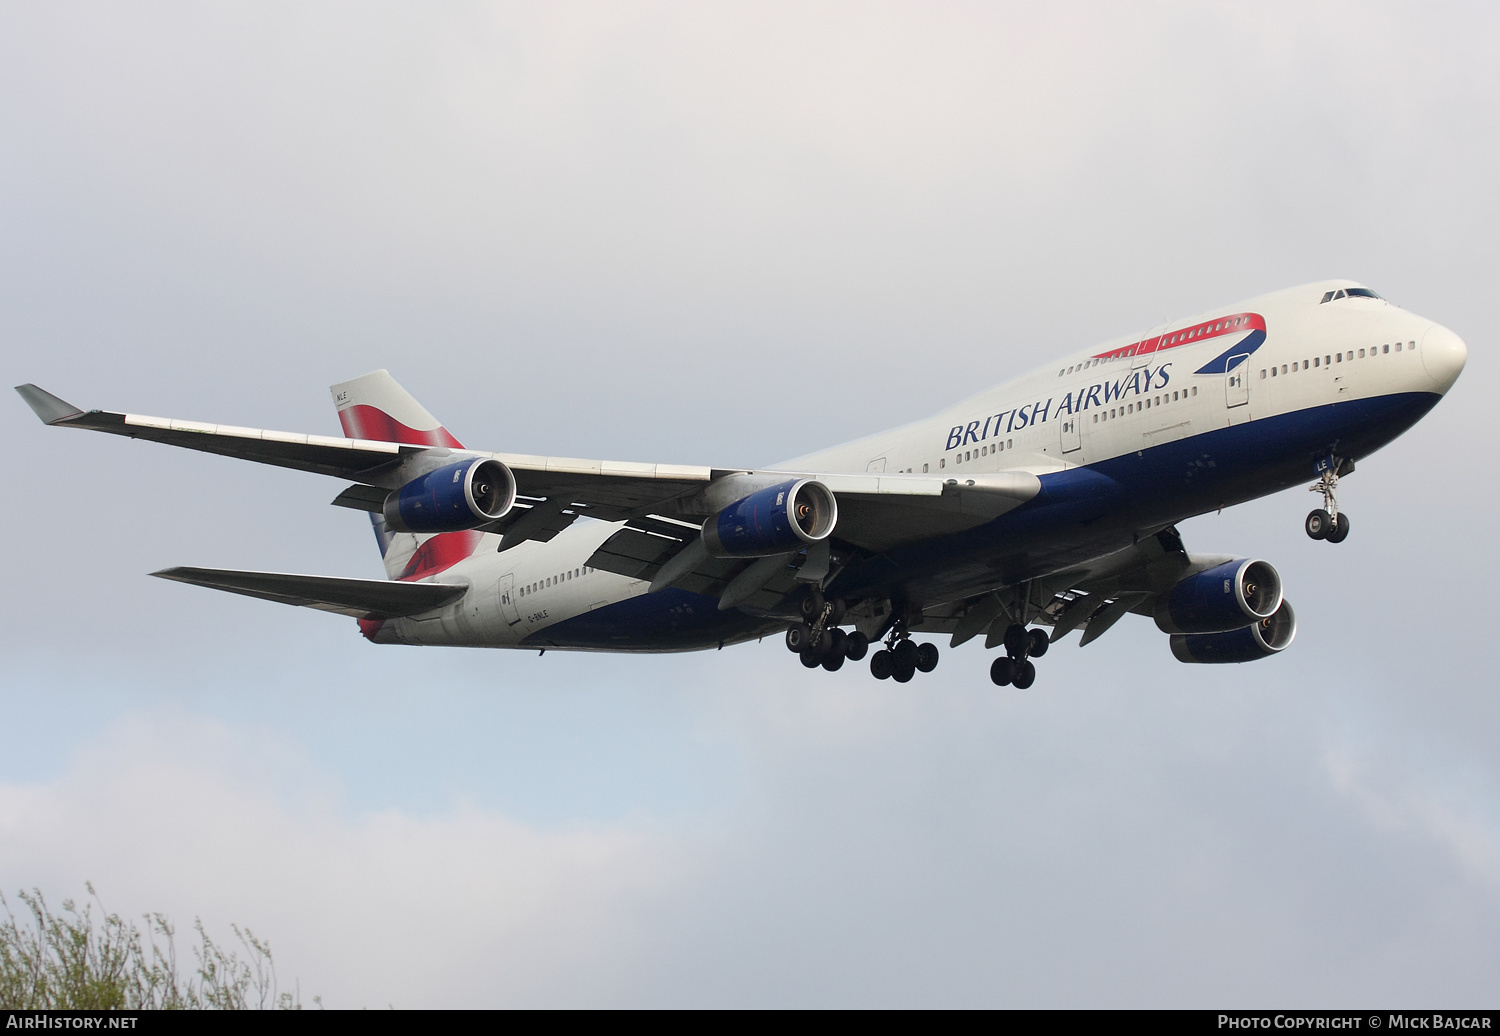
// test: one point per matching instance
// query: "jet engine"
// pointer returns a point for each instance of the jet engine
(452, 498)
(1257, 640)
(776, 520)
(1226, 597)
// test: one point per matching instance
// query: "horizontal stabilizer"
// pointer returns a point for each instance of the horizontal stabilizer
(360, 598)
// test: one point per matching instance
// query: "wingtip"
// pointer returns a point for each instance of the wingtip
(45, 405)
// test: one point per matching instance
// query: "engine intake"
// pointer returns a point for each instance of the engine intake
(452, 498)
(775, 520)
(1226, 597)
(1258, 640)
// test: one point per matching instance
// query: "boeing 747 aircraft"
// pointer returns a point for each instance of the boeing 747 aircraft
(1039, 507)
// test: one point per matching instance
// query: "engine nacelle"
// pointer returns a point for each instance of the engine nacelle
(776, 520)
(1226, 597)
(1257, 640)
(452, 498)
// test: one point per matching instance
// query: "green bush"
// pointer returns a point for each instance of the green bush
(68, 962)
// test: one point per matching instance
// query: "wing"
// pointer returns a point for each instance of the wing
(361, 598)
(360, 460)
(877, 511)
(1091, 597)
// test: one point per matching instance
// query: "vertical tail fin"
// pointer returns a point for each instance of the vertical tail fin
(375, 406)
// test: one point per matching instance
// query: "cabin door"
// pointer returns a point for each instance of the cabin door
(507, 590)
(1072, 433)
(1237, 381)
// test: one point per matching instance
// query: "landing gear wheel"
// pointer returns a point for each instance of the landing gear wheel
(1340, 532)
(904, 655)
(927, 657)
(1319, 523)
(1025, 675)
(1036, 643)
(904, 673)
(1002, 671)
(1017, 640)
(810, 660)
(855, 646)
(812, 605)
(836, 638)
(798, 637)
(834, 662)
(881, 665)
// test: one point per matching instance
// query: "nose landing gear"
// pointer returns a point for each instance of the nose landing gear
(1328, 522)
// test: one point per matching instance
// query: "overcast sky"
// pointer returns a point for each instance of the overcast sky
(718, 233)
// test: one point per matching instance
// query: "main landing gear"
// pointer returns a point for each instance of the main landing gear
(1015, 666)
(1328, 522)
(821, 643)
(902, 658)
(818, 641)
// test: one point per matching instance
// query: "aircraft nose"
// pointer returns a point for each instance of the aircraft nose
(1444, 355)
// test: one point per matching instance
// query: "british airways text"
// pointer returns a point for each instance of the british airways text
(1138, 382)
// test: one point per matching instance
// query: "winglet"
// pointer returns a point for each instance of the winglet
(47, 406)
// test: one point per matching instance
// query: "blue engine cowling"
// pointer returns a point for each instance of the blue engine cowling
(452, 498)
(1226, 597)
(776, 520)
(1257, 640)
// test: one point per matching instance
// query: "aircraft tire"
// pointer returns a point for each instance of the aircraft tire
(1017, 640)
(836, 638)
(1002, 671)
(904, 673)
(927, 657)
(798, 637)
(1318, 523)
(1340, 531)
(1025, 675)
(812, 605)
(905, 655)
(1036, 643)
(834, 662)
(810, 660)
(855, 646)
(882, 665)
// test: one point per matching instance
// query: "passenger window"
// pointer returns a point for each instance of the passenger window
(1010, 443)
(1316, 361)
(1283, 368)
(1262, 374)
(1096, 418)
(1327, 360)
(1398, 347)
(924, 469)
(1273, 372)
(1385, 348)
(942, 462)
(1195, 390)
(1338, 357)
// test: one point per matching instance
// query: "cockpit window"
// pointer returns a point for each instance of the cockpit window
(1356, 293)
